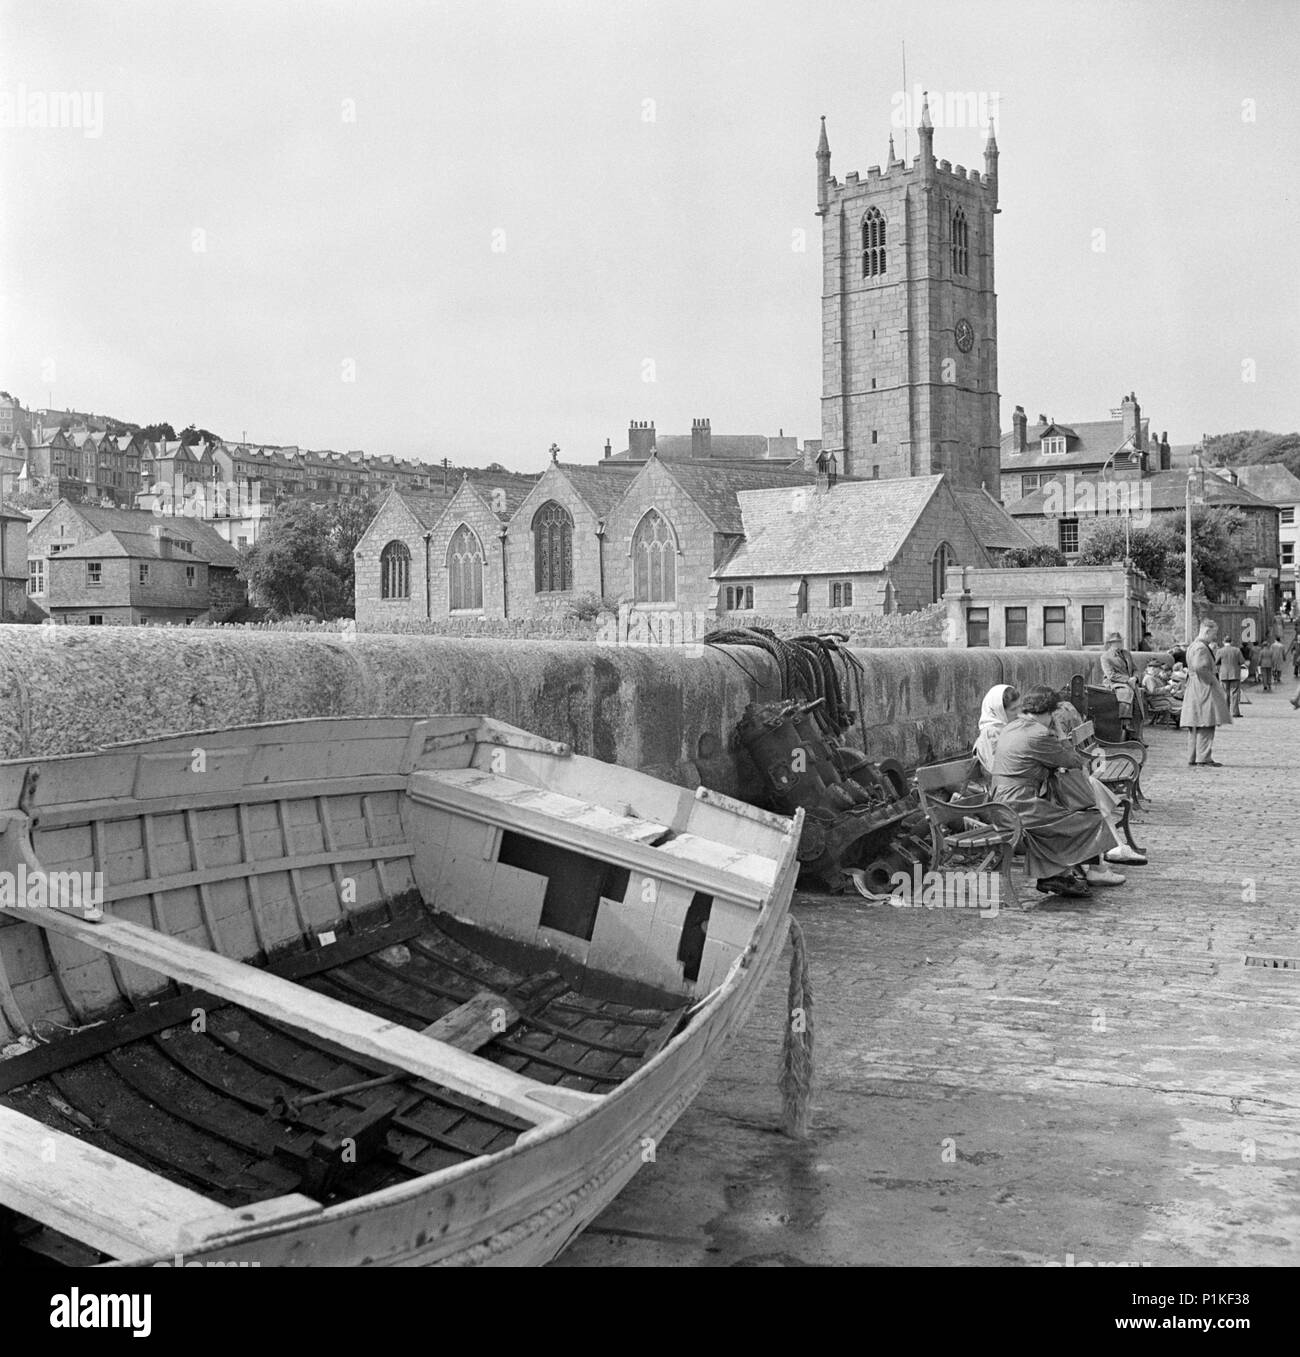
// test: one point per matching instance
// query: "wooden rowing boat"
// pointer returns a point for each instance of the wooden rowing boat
(398, 990)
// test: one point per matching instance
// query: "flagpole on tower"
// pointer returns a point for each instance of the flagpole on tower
(906, 120)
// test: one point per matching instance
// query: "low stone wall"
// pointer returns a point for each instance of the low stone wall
(669, 712)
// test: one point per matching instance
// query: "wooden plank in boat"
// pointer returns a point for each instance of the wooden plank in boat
(299, 1007)
(96, 1197)
(453, 790)
(693, 848)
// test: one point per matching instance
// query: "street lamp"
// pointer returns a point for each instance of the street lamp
(1194, 473)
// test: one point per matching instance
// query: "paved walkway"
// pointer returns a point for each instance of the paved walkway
(1104, 1078)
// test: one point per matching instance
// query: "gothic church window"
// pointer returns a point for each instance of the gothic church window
(552, 549)
(464, 571)
(960, 243)
(873, 244)
(654, 560)
(944, 556)
(395, 571)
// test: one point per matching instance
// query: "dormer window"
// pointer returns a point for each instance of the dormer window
(1053, 447)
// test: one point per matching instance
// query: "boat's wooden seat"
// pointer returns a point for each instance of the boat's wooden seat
(621, 840)
(109, 1203)
(296, 1005)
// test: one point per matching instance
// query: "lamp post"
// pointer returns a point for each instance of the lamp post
(1194, 471)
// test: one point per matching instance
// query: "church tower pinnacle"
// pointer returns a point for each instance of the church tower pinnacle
(823, 169)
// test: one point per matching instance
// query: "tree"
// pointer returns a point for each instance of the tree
(1020, 557)
(1250, 447)
(303, 561)
(1217, 555)
(190, 436)
(1148, 548)
(155, 433)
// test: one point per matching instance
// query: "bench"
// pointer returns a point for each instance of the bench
(954, 793)
(1118, 767)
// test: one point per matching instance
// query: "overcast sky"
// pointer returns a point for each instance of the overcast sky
(471, 230)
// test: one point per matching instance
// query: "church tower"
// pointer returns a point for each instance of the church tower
(909, 316)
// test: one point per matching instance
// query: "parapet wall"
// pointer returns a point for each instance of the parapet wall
(670, 712)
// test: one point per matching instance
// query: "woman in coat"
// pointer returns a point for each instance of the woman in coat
(1205, 704)
(1057, 841)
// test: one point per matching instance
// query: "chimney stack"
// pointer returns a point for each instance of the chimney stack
(609, 449)
(1019, 425)
(701, 439)
(1131, 414)
(641, 440)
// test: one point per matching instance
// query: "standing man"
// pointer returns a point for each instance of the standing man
(1294, 652)
(1276, 656)
(1205, 704)
(1230, 674)
(1119, 674)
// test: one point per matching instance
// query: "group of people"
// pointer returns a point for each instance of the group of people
(1163, 688)
(1070, 818)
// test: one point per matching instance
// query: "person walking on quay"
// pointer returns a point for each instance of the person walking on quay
(1294, 651)
(1205, 704)
(1230, 674)
(1276, 657)
(1057, 841)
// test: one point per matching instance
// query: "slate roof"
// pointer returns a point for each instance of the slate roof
(1271, 481)
(1168, 490)
(601, 487)
(130, 544)
(715, 488)
(428, 508)
(208, 543)
(1086, 445)
(856, 526)
(989, 521)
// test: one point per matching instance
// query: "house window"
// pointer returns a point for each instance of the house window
(144, 573)
(739, 597)
(942, 559)
(654, 560)
(395, 571)
(841, 593)
(94, 573)
(875, 473)
(873, 244)
(874, 434)
(977, 626)
(36, 577)
(1288, 514)
(191, 576)
(1288, 553)
(241, 542)
(1054, 447)
(1068, 535)
(464, 571)
(1028, 484)
(552, 549)
(95, 620)
(960, 243)
(1094, 624)
(1017, 626)
(1053, 626)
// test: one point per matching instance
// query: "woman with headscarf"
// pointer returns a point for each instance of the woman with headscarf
(1071, 788)
(1057, 841)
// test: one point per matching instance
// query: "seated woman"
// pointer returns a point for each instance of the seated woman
(1057, 841)
(1071, 788)
(1178, 681)
(1159, 702)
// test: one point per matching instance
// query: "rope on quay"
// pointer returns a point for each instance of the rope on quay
(796, 1082)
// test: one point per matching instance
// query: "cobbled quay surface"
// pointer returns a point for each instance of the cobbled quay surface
(1101, 1078)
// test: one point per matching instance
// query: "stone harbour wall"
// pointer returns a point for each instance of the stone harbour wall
(669, 712)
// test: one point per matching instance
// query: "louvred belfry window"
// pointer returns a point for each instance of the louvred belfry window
(654, 560)
(873, 244)
(553, 548)
(960, 243)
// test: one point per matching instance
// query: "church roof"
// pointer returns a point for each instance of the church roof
(601, 487)
(989, 521)
(852, 527)
(715, 488)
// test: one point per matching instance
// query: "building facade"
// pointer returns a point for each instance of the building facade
(1066, 607)
(909, 317)
(128, 579)
(13, 564)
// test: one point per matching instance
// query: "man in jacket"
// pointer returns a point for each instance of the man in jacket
(1119, 674)
(1205, 704)
(1230, 663)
